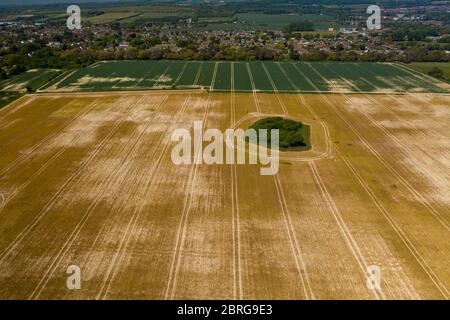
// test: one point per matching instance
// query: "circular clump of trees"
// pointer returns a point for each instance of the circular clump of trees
(293, 135)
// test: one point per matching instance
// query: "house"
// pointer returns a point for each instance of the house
(123, 46)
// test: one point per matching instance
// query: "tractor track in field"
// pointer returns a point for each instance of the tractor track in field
(420, 76)
(388, 166)
(352, 244)
(405, 240)
(75, 232)
(326, 131)
(287, 221)
(162, 74)
(8, 109)
(238, 290)
(255, 97)
(42, 142)
(181, 73)
(396, 141)
(145, 75)
(38, 217)
(275, 89)
(181, 230)
(388, 217)
(392, 112)
(197, 76)
(323, 124)
(295, 247)
(408, 244)
(41, 169)
(294, 158)
(124, 241)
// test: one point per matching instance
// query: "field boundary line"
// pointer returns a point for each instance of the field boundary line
(374, 152)
(181, 231)
(238, 292)
(51, 82)
(181, 73)
(385, 213)
(44, 84)
(343, 227)
(57, 81)
(418, 77)
(118, 257)
(162, 74)
(199, 71)
(129, 149)
(258, 107)
(428, 270)
(306, 78)
(283, 107)
(395, 97)
(392, 97)
(146, 74)
(301, 99)
(49, 272)
(324, 125)
(299, 261)
(403, 181)
(53, 199)
(6, 110)
(383, 128)
(417, 74)
(416, 193)
(290, 230)
(297, 89)
(89, 107)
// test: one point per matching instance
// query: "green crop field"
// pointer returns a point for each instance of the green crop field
(279, 21)
(6, 97)
(428, 66)
(258, 76)
(33, 78)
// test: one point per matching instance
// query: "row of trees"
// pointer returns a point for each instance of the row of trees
(75, 58)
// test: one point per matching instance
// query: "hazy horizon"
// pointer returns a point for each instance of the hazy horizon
(46, 2)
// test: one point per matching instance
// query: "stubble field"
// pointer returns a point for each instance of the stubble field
(87, 180)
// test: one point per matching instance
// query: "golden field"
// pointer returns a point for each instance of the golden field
(87, 179)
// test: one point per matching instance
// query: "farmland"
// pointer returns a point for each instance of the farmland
(426, 67)
(32, 78)
(87, 179)
(280, 21)
(282, 77)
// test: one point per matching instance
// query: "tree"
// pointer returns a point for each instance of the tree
(300, 26)
(130, 54)
(436, 73)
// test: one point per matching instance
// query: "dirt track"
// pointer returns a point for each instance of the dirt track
(90, 182)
